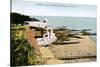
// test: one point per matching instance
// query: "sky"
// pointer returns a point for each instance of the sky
(53, 9)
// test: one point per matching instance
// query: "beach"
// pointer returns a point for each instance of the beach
(84, 51)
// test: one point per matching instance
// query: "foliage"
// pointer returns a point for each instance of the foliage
(21, 51)
(17, 18)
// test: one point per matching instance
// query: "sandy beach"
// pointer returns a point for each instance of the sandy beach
(85, 49)
(82, 51)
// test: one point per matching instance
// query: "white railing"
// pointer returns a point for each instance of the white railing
(48, 38)
(35, 24)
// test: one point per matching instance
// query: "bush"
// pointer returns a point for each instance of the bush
(21, 51)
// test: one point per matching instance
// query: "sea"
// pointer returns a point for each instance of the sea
(76, 23)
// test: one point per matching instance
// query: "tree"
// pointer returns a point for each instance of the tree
(17, 18)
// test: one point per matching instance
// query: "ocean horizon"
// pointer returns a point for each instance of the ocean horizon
(78, 23)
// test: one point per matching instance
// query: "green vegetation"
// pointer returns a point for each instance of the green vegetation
(21, 51)
(17, 18)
